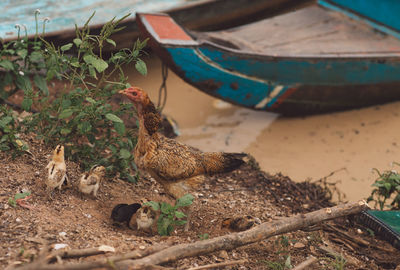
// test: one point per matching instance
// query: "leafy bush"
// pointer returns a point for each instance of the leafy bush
(81, 115)
(9, 139)
(387, 186)
(170, 216)
(21, 60)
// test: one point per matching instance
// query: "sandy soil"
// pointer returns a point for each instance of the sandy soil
(351, 142)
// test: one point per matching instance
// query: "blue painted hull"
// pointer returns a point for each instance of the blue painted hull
(291, 85)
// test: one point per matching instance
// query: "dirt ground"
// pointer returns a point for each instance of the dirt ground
(82, 221)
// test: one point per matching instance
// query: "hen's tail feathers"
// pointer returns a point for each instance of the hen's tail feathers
(223, 162)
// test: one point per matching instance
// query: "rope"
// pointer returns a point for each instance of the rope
(162, 92)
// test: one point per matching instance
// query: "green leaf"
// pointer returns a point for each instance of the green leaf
(75, 63)
(65, 113)
(12, 202)
(84, 127)
(40, 82)
(77, 42)
(7, 65)
(180, 222)
(21, 195)
(388, 186)
(90, 100)
(23, 82)
(179, 214)
(113, 118)
(99, 64)
(5, 120)
(141, 67)
(26, 103)
(112, 42)
(164, 226)
(65, 131)
(66, 103)
(66, 47)
(154, 205)
(36, 57)
(92, 72)
(124, 154)
(22, 53)
(119, 128)
(186, 200)
(166, 208)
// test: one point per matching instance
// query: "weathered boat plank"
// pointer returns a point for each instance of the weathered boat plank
(310, 31)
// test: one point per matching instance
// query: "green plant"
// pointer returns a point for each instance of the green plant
(22, 60)
(13, 201)
(282, 264)
(204, 236)
(81, 115)
(387, 186)
(9, 128)
(337, 263)
(170, 216)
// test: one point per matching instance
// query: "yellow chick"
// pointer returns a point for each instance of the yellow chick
(145, 219)
(90, 182)
(57, 170)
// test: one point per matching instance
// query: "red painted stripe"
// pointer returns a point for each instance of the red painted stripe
(166, 28)
(285, 95)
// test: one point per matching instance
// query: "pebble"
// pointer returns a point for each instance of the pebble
(299, 245)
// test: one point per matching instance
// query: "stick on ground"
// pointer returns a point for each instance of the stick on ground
(261, 232)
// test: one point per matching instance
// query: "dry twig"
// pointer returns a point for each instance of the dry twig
(218, 265)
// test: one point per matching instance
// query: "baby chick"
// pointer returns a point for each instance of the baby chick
(90, 181)
(57, 170)
(145, 220)
(123, 212)
(239, 224)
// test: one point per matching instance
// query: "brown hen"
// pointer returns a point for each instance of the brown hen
(179, 168)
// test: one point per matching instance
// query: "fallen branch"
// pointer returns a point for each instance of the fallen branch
(234, 240)
(306, 263)
(77, 253)
(108, 262)
(218, 265)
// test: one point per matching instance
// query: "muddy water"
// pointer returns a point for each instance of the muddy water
(348, 143)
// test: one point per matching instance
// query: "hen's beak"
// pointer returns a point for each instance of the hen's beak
(122, 91)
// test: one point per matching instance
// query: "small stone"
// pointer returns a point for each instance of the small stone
(18, 220)
(359, 231)
(299, 245)
(142, 247)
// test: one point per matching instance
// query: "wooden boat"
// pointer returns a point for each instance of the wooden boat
(330, 55)
(194, 14)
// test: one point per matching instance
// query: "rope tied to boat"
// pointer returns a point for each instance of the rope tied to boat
(162, 92)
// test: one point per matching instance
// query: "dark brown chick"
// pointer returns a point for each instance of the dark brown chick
(238, 224)
(123, 212)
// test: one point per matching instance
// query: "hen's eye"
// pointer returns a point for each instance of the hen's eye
(134, 94)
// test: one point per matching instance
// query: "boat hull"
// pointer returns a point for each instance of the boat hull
(291, 85)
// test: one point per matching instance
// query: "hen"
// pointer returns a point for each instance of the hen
(179, 168)
(90, 182)
(57, 170)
